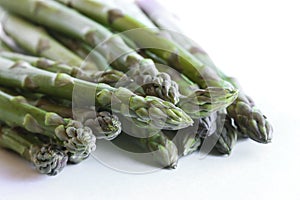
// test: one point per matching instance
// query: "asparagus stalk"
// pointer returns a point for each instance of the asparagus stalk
(132, 9)
(7, 44)
(112, 46)
(148, 111)
(111, 77)
(203, 102)
(47, 64)
(47, 159)
(49, 105)
(83, 50)
(78, 140)
(248, 118)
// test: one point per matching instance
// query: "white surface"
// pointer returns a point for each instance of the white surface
(256, 41)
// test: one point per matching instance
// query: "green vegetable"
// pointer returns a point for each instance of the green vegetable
(103, 124)
(111, 77)
(47, 159)
(203, 102)
(148, 111)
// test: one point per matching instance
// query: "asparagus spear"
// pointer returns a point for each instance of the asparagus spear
(76, 138)
(111, 77)
(112, 47)
(203, 102)
(148, 111)
(106, 125)
(248, 118)
(47, 159)
(103, 124)
(7, 44)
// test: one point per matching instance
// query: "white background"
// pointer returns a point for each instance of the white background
(256, 41)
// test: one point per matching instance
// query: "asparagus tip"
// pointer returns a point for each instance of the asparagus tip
(105, 126)
(78, 140)
(49, 160)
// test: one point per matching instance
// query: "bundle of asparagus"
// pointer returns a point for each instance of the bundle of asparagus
(76, 81)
